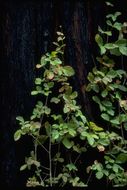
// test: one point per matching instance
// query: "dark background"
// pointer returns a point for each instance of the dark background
(27, 29)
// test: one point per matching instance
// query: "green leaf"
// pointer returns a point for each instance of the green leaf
(112, 73)
(67, 143)
(103, 50)
(121, 158)
(110, 46)
(117, 14)
(72, 132)
(122, 42)
(96, 99)
(113, 16)
(74, 95)
(104, 141)
(71, 167)
(43, 60)
(50, 84)
(38, 81)
(35, 125)
(34, 92)
(122, 118)
(107, 103)
(109, 23)
(17, 135)
(20, 118)
(115, 121)
(111, 112)
(104, 93)
(66, 109)
(47, 110)
(68, 71)
(81, 184)
(23, 167)
(90, 140)
(123, 50)
(117, 25)
(83, 118)
(90, 77)
(99, 175)
(55, 100)
(94, 127)
(61, 160)
(122, 88)
(106, 172)
(108, 33)
(55, 134)
(115, 52)
(56, 61)
(53, 53)
(112, 176)
(125, 126)
(99, 40)
(76, 149)
(74, 181)
(115, 168)
(109, 4)
(105, 116)
(95, 87)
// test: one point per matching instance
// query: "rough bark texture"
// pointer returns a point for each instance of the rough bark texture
(27, 29)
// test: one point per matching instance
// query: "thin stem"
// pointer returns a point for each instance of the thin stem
(121, 127)
(122, 134)
(46, 101)
(45, 173)
(40, 143)
(56, 162)
(35, 151)
(89, 177)
(44, 167)
(77, 158)
(50, 159)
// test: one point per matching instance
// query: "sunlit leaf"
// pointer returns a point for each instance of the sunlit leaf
(99, 175)
(90, 140)
(17, 135)
(123, 50)
(23, 167)
(94, 127)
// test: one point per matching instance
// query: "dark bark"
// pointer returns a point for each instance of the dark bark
(26, 30)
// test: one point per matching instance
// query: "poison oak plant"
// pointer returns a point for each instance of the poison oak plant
(59, 130)
(54, 124)
(108, 83)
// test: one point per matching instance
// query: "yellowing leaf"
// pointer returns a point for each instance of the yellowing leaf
(50, 75)
(94, 127)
